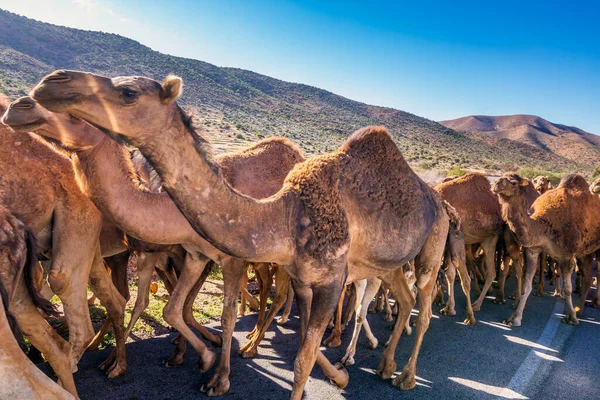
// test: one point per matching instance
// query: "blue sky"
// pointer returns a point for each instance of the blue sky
(437, 59)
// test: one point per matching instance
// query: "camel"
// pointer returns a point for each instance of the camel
(19, 378)
(103, 168)
(41, 190)
(595, 189)
(562, 222)
(542, 184)
(479, 213)
(355, 213)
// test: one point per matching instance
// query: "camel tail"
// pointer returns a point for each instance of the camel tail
(30, 264)
(455, 222)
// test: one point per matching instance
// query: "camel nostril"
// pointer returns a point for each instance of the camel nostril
(58, 77)
(22, 106)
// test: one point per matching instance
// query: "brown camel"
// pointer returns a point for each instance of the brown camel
(104, 170)
(479, 213)
(42, 191)
(360, 206)
(562, 222)
(19, 378)
(542, 184)
(595, 189)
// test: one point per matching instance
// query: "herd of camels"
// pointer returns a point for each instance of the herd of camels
(72, 191)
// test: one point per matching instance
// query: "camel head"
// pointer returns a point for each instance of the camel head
(26, 115)
(509, 185)
(542, 184)
(595, 186)
(126, 107)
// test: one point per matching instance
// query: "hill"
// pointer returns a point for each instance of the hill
(566, 141)
(237, 106)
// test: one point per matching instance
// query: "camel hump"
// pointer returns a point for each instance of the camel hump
(367, 137)
(4, 103)
(574, 181)
(473, 179)
(276, 141)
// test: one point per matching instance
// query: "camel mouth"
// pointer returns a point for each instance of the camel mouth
(26, 126)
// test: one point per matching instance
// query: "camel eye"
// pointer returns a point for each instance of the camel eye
(129, 94)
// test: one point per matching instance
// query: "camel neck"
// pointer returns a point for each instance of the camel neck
(514, 212)
(240, 226)
(106, 172)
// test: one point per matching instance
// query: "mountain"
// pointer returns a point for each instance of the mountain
(236, 106)
(566, 141)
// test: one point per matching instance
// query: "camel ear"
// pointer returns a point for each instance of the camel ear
(524, 182)
(171, 88)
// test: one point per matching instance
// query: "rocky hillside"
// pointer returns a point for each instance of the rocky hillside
(237, 106)
(566, 141)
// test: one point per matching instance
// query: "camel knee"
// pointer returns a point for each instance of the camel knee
(171, 315)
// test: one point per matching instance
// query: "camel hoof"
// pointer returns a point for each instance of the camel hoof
(218, 342)
(388, 318)
(595, 303)
(476, 307)
(556, 294)
(348, 360)
(404, 382)
(373, 345)
(470, 321)
(499, 300)
(449, 312)
(386, 370)
(512, 321)
(176, 339)
(249, 353)
(512, 296)
(171, 363)
(568, 319)
(372, 311)
(204, 364)
(217, 389)
(407, 330)
(117, 370)
(342, 378)
(282, 320)
(333, 341)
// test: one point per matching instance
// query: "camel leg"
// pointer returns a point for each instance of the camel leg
(41, 335)
(335, 339)
(540, 287)
(532, 259)
(282, 283)
(457, 261)
(111, 299)
(315, 307)
(165, 277)
(265, 281)
(567, 272)
(586, 271)
(173, 311)
(489, 252)
(504, 273)
(145, 267)
(386, 305)
(233, 271)
(397, 284)
(243, 296)
(472, 268)
(188, 317)
(365, 290)
(351, 306)
(117, 267)
(285, 316)
(450, 278)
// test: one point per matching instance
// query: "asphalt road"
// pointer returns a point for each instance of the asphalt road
(543, 359)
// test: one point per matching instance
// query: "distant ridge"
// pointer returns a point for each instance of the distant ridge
(237, 107)
(567, 141)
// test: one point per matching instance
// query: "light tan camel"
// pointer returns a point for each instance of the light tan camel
(361, 206)
(542, 184)
(562, 222)
(19, 378)
(595, 189)
(41, 189)
(481, 221)
(104, 170)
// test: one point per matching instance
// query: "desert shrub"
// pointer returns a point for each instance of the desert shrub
(456, 171)
(531, 173)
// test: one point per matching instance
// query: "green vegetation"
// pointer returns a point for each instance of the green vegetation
(531, 173)
(456, 171)
(232, 103)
